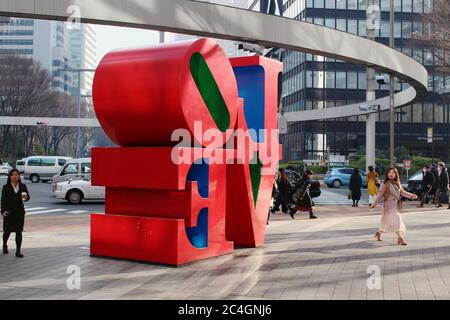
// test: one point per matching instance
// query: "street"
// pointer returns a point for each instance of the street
(43, 202)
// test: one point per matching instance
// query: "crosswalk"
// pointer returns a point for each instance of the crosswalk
(45, 210)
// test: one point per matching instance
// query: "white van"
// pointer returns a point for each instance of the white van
(74, 169)
(20, 165)
(43, 168)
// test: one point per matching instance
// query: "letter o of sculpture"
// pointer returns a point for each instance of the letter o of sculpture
(141, 96)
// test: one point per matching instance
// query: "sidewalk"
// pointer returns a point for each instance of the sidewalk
(326, 258)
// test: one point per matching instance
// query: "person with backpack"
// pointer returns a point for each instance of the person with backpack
(302, 198)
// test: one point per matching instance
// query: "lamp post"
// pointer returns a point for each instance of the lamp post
(78, 71)
(444, 93)
(391, 87)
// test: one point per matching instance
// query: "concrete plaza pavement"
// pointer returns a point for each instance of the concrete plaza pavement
(326, 258)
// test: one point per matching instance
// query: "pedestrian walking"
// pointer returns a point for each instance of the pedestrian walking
(434, 172)
(442, 187)
(373, 183)
(427, 185)
(302, 198)
(14, 193)
(283, 191)
(355, 186)
(392, 191)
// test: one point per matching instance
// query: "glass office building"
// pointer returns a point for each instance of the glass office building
(312, 82)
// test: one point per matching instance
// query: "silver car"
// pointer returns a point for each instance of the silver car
(75, 169)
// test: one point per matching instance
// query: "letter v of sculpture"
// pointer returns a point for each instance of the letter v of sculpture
(174, 210)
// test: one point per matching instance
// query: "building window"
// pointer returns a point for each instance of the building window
(341, 4)
(418, 55)
(352, 80)
(427, 57)
(330, 22)
(329, 83)
(407, 116)
(417, 113)
(362, 5)
(352, 4)
(418, 6)
(341, 79)
(362, 80)
(438, 114)
(398, 5)
(407, 5)
(318, 79)
(406, 29)
(318, 3)
(385, 29)
(397, 29)
(309, 79)
(341, 24)
(428, 112)
(385, 5)
(362, 28)
(352, 26)
(330, 4)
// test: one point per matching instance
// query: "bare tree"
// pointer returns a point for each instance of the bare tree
(436, 34)
(24, 86)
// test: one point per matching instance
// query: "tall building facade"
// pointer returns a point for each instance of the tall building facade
(55, 46)
(314, 82)
(83, 48)
(41, 40)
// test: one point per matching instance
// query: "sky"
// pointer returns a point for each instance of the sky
(110, 38)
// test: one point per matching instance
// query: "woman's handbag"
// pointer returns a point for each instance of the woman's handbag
(349, 195)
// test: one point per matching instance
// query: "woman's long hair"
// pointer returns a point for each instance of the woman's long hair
(397, 179)
(10, 174)
(282, 175)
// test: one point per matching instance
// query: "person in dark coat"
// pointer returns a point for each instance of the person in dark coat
(355, 186)
(427, 185)
(283, 191)
(434, 172)
(302, 198)
(442, 187)
(14, 193)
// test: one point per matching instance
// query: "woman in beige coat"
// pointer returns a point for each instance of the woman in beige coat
(391, 220)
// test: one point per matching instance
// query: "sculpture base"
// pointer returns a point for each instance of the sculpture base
(148, 239)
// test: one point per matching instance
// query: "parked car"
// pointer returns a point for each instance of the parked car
(43, 168)
(338, 177)
(78, 190)
(20, 165)
(75, 169)
(5, 168)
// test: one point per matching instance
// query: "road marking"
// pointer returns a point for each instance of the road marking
(47, 211)
(34, 209)
(77, 211)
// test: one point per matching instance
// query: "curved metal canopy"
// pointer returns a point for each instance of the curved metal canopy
(211, 20)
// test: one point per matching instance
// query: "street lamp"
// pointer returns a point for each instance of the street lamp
(79, 71)
(391, 86)
(444, 93)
